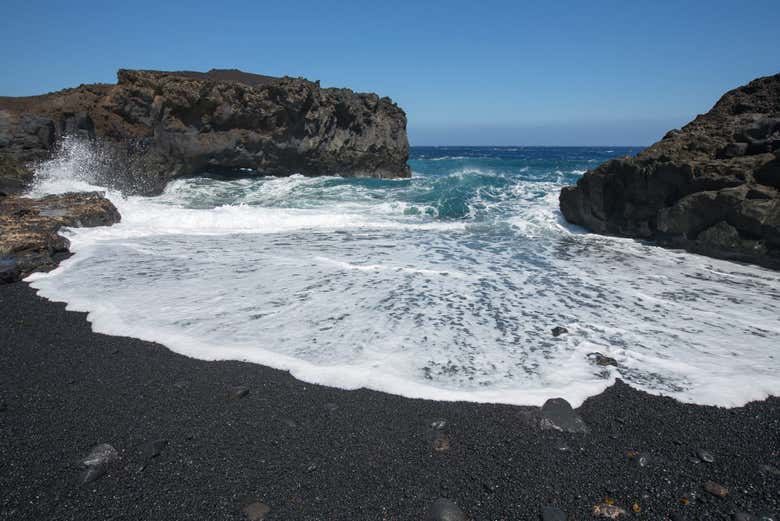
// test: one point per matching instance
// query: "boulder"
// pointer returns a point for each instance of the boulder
(711, 187)
(185, 123)
(557, 414)
(28, 229)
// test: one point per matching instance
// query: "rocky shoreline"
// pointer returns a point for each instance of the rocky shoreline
(191, 439)
(29, 229)
(155, 125)
(712, 187)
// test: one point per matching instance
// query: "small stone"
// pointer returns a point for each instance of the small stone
(715, 489)
(256, 511)
(237, 392)
(608, 511)
(438, 424)
(550, 513)
(154, 448)
(637, 458)
(558, 415)
(602, 360)
(705, 456)
(100, 455)
(559, 330)
(743, 516)
(769, 470)
(330, 406)
(441, 443)
(445, 510)
(96, 463)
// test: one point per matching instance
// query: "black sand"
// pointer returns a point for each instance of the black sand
(317, 453)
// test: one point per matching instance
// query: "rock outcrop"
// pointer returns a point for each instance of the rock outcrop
(712, 187)
(28, 229)
(184, 123)
(14, 176)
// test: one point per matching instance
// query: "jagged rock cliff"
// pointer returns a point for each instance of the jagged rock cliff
(181, 123)
(712, 187)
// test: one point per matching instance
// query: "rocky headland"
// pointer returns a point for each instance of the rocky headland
(712, 187)
(160, 125)
(154, 126)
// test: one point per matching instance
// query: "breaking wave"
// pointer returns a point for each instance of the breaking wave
(442, 286)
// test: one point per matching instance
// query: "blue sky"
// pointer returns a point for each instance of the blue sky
(499, 73)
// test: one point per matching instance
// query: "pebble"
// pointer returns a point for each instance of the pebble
(558, 415)
(237, 392)
(559, 330)
(637, 458)
(608, 511)
(100, 455)
(705, 456)
(96, 463)
(330, 406)
(602, 360)
(743, 516)
(445, 510)
(438, 424)
(715, 489)
(256, 511)
(550, 513)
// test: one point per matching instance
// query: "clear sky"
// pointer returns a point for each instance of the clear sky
(476, 72)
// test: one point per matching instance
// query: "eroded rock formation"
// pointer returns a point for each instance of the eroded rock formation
(183, 123)
(28, 229)
(712, 187)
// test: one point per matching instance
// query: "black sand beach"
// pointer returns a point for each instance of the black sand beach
(316, 453)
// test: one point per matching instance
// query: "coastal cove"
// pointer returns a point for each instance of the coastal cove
(389, 261)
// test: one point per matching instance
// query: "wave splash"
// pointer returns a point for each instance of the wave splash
(442, 286)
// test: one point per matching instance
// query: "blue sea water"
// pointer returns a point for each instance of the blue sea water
(444, 286)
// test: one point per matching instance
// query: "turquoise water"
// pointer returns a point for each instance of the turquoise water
(445, 285)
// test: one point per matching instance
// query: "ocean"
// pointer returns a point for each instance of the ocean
(443, 286)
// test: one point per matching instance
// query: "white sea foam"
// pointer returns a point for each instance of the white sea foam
(371, 284)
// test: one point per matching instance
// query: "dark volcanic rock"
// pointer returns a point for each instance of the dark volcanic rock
(184, 123)
(14, 176)
(557, 414)
(711, 188)
(602, 360)
(237, 392)
(28, 229)
(559, 330)
(96, 463)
